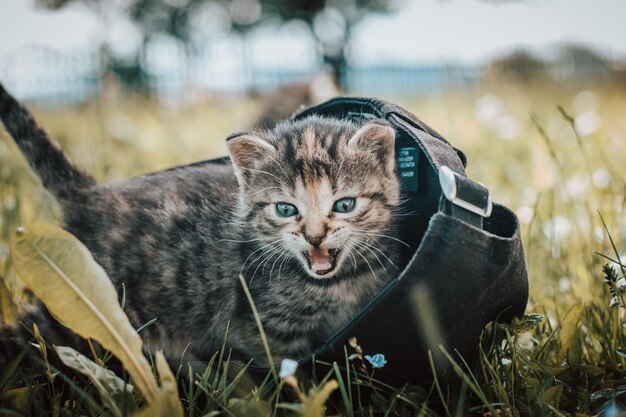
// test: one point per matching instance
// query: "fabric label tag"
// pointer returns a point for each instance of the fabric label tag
(407, 158)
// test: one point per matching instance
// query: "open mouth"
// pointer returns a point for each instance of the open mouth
(322, 261)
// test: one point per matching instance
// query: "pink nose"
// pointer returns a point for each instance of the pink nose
(314, 240)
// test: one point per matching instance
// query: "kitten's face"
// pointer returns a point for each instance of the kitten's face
(316, 189)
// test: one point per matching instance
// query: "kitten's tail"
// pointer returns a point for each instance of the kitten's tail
(56, 172)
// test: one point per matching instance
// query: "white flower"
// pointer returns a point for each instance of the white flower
(488, 107)
(288, 368)
(587, 123)
(577, 185)
(525, 214)
(506, 127)
(615, 302)
(585, 101)
(558, 228)
(601, 178)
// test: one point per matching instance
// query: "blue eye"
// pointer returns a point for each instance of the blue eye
(345, 205)
(286, 209)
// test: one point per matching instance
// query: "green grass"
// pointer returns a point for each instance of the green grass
(565, 179)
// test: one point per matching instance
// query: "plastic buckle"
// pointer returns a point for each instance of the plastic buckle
(465, 193)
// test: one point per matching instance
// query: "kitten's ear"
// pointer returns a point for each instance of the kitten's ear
(246, 151)
(377, 138)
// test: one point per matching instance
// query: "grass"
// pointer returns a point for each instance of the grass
(556, 156)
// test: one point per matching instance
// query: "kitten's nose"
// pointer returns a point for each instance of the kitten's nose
(315, 240)
(315, 232)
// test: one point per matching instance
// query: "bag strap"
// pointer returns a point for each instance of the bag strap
(463, 198)
(460, 197)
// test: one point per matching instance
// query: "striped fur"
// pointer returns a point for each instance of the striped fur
(177, 240)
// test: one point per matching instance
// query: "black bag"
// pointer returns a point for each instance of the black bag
(466, 264)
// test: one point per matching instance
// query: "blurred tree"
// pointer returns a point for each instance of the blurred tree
(126, 69)
(330, 20)
(517, 66)
(572, 62)
(583, 63)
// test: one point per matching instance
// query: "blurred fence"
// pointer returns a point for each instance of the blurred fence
(53, 78)
(410, 80)
(49, 77)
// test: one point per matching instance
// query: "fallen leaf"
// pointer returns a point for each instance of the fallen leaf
(61, 272)
(113, 390)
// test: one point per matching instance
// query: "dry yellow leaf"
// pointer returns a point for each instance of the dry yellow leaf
(61, 272)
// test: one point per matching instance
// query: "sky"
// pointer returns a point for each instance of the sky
(426, 31)
(473, 30)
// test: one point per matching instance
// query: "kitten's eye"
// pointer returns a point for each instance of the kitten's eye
(345, 205)
(286, 209)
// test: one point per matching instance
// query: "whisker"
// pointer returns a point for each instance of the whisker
(268, 249)
(364, 245)
(255, 251)
(271, 250)
(267, 173)
(282, 255)
(269, 197)
(238, 223)
(243, 241)
(279, 250)
(265, 189)
(351, 247)
(397, 214)
(339, 169)
(284, 260)
(353, 262)
(367, 262)
(381, 252)
(280, 166)
(367, 234)
(268, 257)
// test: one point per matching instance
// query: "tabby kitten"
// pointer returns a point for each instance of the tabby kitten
(304, 212)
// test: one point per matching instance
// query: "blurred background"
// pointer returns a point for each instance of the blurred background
(63, 52)
(533, 91)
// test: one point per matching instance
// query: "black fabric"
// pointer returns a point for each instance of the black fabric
(458, 275)
(460, 213)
